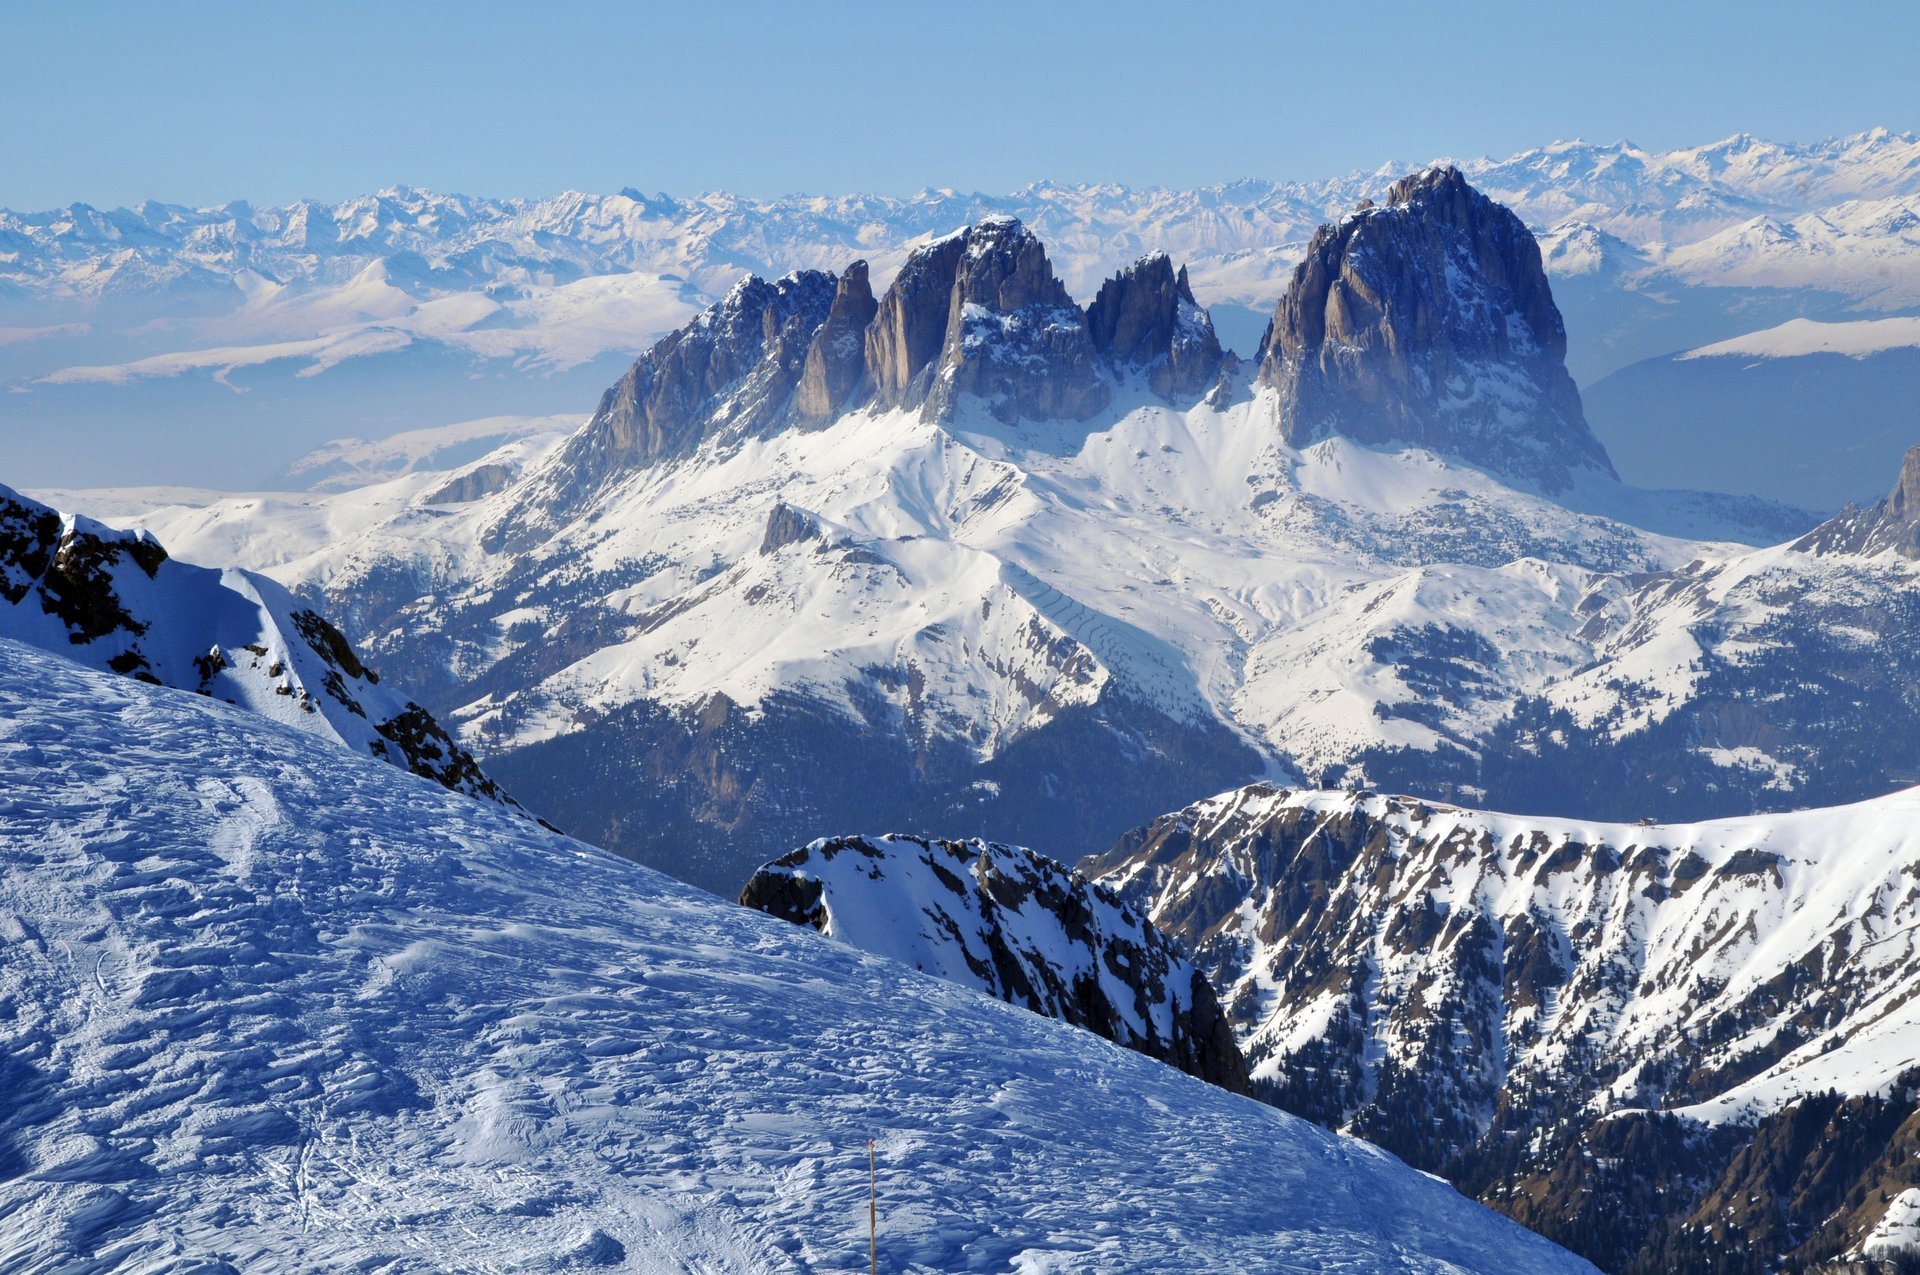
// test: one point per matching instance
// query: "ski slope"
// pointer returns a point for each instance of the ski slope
(272, 1007)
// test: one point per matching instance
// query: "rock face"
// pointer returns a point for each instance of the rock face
(909, 329)
(836, 361)
(731, 371)
(980, 312)
(788, 526)
(976, 314)
(1429, 322)
(1014, 337)
(1145, 319)
(1891, 526)
(1588, 1026)
(1014, 925)
(114, 600)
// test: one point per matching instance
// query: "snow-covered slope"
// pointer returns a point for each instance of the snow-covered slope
(1015, 925)
(271, 1007)
(1491, 994)
(115, 600)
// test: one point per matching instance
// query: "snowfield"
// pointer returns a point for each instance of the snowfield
(267, 1006)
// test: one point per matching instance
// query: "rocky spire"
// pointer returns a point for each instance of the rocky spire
(836, 361)
(1429, 322)
(1890, 525)
(980, 313)
(1903, 503)
(1145, 318)
(910, 326)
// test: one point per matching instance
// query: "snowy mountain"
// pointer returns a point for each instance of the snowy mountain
(272, 1007)
(1672, 1047)
(115, 600)
(407, 309)
(1749, 408)
(1015, 925)
(1023, 574)
(788, 536)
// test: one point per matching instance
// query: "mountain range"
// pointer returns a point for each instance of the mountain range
(407, 309)
(1040, 573)
(274, 1007)
(925, 546)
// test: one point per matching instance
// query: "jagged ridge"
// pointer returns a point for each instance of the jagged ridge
(114, 600)
(1015, 925)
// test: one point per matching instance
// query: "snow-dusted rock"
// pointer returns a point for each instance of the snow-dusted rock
(271, 1007)
(1428, 321)
(1490, 995)
(1015, 925)
(1145, 319)
(114, 600)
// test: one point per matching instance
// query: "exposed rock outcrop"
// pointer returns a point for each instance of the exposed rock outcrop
(1145, 319)
(1015, 338)
(788, 526)
(1014, 925)
(1428, 321)
(1888, 526)
(731, 372)
(836, 361)
(909, 329)
(733, 367)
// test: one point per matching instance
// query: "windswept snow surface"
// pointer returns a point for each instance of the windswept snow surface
(271, 1007)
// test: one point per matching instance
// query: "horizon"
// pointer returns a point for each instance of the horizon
(1383, 170)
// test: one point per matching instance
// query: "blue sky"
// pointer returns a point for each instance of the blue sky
(198, 103)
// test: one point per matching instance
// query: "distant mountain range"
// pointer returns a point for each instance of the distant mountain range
(406, 309)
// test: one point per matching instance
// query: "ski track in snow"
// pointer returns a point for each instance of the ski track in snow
(267, 1006)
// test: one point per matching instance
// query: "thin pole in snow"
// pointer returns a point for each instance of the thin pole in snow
(873, 1226)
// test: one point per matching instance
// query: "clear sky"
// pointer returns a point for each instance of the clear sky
(199, 103)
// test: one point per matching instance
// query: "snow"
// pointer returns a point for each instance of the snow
(1898, 1231)
(1797, 337)
(1188, 558)
(272, 1007)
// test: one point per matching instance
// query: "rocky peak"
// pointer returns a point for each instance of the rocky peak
(1890, 525)
(787, 525)
(1903, 503)
(731, 372)
(734, 366)
(980, 312)
(1145, 318)
(1014, 925)
(836, 360)
(1428, 321)
(910, 326)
